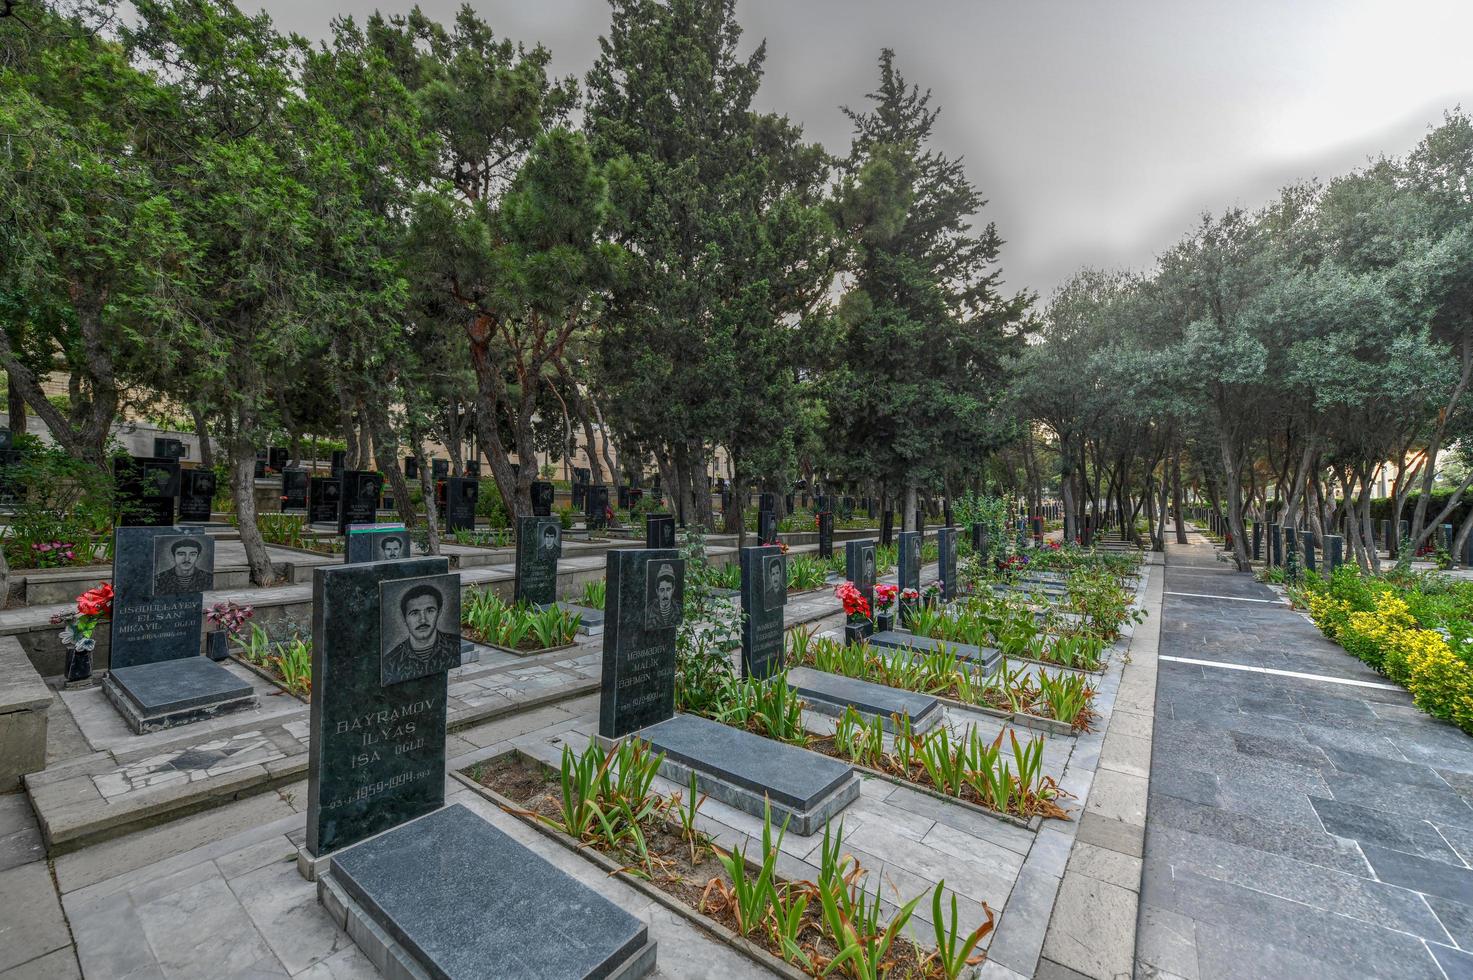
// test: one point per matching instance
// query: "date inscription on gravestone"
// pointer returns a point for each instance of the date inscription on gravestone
(539, 546)
(646, 589)
(764, 594)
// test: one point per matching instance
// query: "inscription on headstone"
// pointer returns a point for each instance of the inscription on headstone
(910, 560)
(196, 495)
(361, 492)
(377, 542)
(539, 546)
(460, 496)
(646, 588)
(384, 635)
(326, 500)
(764, 593)
(159, 574)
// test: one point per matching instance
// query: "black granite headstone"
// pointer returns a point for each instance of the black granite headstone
(1257, 540)
(459, 498)
(539, 546)
(659, 531)
(167, 448)
(196, 496)
(411, 467)
(277, 457)
(887, 528)
(910, 560)
(946, 539)
(596, 506)
(643, 610)
(766, 527)
(159, 575)
(439, 469)
(859, 567)
(339, 463)
(1275, 545)
(825, 536)
(542, 496)
(294, 485)
(377, 542)
(146, 488)
(472, 469)
(623, 496)
(361, 492)
(326, 500)
(1306, 540)
(764, 593)
(376, 751)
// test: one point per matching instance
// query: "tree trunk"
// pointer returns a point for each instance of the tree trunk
(427, 491)
(202, 432)
(16, 410)
(1177, 501)
(385, 453)
(908, 514)
(243, 485)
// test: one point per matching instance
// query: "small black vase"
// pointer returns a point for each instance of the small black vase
(78, 665)
(218, 646)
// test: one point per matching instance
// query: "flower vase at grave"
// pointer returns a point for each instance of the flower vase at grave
(78, 666)
(857, 631)
(908, 608)
(884, 622)
(218, 645)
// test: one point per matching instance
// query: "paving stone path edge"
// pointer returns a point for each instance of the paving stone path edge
(1092, 927)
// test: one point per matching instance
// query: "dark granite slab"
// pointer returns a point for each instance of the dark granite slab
(157, 615)
(539, 546)
(465, 900)
(646, 589)
(909, 561)
(832, 693)
(987, 657)
(590, 621)
(946, 570)
(175, 685)
(860, 566)
(793, 777)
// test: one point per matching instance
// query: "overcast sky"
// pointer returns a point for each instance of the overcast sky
(1098, 129)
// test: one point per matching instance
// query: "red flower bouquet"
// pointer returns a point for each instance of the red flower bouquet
(856, 606)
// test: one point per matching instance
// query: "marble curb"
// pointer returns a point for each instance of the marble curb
(614, 869)
(1092, 926)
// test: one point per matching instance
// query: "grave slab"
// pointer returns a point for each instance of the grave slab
(985, 657)
(830, 694)
(459, 899)
(745, 770)
(590, 622)
(155, 696)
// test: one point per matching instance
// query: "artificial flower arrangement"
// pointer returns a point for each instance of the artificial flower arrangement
(93, 606)
(856, 606)
(931, 591)
(885, 595)
(909, 595)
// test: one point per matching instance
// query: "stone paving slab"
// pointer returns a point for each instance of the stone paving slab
(1287, 832)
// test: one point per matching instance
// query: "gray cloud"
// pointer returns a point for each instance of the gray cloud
(1097, 130)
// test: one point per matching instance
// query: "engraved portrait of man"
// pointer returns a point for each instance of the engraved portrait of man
(869, 566)
(391, 547)
(550, 542)
(774, 582)
(663, 594)
(182, 565)
(419, 623)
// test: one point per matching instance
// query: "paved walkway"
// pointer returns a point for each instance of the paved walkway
(1297, 825)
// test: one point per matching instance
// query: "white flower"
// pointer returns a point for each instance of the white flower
(85, 644)
(67, 636)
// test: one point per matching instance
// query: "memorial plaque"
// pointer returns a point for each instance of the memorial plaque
(946, 539)
(146, 488)
(764, 594)
(419, 627)
(659, 531)
(910, 559)
(643, 609)
(859, 567)
(167, 448)
(825, 535)
(377, 542)
(361, 492)
(539, 546)
(277, 457)
(294, 485)
(196, 495)
(159, 575)
(339, 462)
(542, 497)
(459, 499)
(596, 506)
(376, 753)
(439, 469)
(326, 499)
